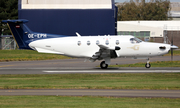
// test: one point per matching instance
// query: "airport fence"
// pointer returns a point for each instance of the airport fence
(7, 43)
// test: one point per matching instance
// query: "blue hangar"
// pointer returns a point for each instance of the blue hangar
(66, 17)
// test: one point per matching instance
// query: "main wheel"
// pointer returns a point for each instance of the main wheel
(103, 65)
(148, 65)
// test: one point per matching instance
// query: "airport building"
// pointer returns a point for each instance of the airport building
(175, 11)
(66, 17)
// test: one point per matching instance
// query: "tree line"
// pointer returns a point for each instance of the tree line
(154, 10)
(8, 10)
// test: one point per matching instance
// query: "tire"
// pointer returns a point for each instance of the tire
(148, 65)
(103, 65)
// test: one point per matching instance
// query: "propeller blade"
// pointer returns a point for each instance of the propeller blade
(171, 48)
(171, 54)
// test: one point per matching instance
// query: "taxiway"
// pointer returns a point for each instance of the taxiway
(113, 93)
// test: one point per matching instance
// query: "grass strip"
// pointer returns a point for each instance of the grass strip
(175, 53)
(85, 102)
(27, 55)
(153, 64)
(152, 81)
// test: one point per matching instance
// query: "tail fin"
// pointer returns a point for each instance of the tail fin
(20, 32)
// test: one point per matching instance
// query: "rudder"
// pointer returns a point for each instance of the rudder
(19, 31)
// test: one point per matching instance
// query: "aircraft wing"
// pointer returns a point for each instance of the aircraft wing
(105, 52)
(109, 48)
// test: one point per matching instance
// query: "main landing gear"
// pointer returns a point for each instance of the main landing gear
(148, 65)
(103, 65)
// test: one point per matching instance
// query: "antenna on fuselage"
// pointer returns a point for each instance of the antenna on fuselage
(78, 34)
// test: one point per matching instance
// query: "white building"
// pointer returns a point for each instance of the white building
(146, 28)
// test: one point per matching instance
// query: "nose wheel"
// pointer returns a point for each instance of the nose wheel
(148, 65)
(103, 65)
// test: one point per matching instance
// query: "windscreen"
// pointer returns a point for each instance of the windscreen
(135, 40)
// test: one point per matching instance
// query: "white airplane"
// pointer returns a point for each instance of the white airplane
(89, 47)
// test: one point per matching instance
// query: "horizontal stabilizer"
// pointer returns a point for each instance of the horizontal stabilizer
(19, 32)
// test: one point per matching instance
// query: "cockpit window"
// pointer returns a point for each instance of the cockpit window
(135, 40)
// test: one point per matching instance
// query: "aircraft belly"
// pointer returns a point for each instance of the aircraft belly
(76, 51)
(41, 50)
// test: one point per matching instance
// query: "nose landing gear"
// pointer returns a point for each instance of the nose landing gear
(148, 65)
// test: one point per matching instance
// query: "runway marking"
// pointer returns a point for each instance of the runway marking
(113, 71)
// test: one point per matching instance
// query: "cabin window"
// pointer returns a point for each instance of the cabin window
(79, 43)
(107, 42)
(117, 42)
(97, 42)
(88, 43)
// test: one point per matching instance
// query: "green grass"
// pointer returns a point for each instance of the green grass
(175, 53)
(85, 102)
(153, 64)
(27, 55)
(93, 81)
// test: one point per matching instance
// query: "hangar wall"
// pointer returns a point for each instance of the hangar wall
(65, 17)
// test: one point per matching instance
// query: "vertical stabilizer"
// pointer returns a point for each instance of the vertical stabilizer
(20, 32)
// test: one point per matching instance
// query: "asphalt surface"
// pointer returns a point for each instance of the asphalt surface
(113, 93)
(79, 66)
(74, 63)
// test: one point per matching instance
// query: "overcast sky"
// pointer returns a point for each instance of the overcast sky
(147, 0)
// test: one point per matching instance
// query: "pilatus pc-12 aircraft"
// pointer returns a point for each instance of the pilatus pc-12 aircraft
(89, 47)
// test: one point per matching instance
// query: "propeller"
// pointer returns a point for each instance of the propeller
(171, 48)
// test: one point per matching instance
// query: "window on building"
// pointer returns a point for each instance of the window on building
(134, 33)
